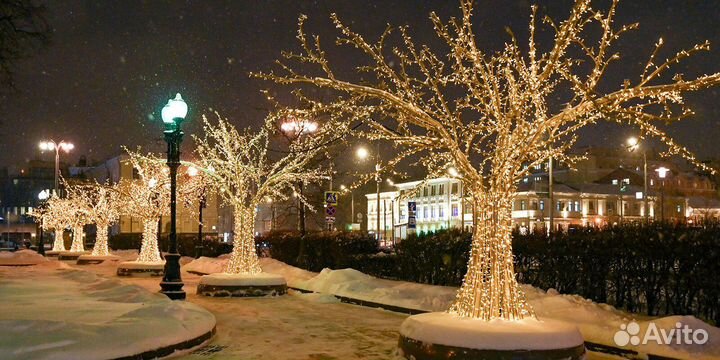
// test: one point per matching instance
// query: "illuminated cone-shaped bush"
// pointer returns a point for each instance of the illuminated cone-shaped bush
(493, 116)
(238, 169)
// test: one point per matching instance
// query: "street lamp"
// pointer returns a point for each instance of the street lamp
(173, 114)
(202, 203)
(293, 126)
(42, 196)
(362, 153)
(50, 145)
(633, 144)
(662, 173)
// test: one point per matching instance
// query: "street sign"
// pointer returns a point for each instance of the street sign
(331, 197)
(412, 221)
(330, 211)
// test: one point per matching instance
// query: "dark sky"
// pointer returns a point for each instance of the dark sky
(112, 64)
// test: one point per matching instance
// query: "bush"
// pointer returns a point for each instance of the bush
(186, 244)
(319, 250)
(656, 269)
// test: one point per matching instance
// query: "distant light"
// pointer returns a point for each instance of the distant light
(362, 153)
(662, 171)
(453, 172)
(175, 109)
(638, 195)
(152, 183)
(632, 141)
(44, 195)
(389, 181)
(192, 171)
(297, 126)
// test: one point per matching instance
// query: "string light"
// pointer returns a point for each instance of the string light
(244, 176)
(492, 115)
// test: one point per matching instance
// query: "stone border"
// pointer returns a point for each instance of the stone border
(67, 256)
(590, 346)
(139, 272)
(19, 264)
(241, 291)
(417, 350)
(170, 349)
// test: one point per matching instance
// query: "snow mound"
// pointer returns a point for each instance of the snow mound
(447, 329)
(206, 265)
(21, 257)
(73, 314)
(261, 279)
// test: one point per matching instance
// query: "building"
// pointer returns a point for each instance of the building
(614, 198)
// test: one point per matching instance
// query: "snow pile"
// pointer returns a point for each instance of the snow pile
(447, 329)
(206, 265)
(598, 323)
(72, 314)
(21, 257)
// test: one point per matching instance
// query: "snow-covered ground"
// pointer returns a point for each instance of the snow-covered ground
(51, 311)
(21, 257)
(597, 322)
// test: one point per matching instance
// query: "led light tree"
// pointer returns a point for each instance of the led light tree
(244, 174)
(148, 199)
(80, 214)
(493, 116)
(104, 210)
(56, 216)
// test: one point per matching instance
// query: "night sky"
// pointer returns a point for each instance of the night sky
(112, 64)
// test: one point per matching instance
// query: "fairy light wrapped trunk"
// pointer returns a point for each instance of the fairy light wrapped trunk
(493, 116)
(239, 169)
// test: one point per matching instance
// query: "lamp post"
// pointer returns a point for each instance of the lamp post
(173, 114)
(296, 128)
(202, 203)
(50, 145)
(662, 173)
(362, 154)
(632, 145)
(42, 196)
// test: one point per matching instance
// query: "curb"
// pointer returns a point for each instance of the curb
(590, 346)
(170, 349)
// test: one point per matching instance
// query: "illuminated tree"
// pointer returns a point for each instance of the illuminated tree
(80, 214)
(103, 208)
(55, 215)
(244, 174)
(147, 198)
(494, 115)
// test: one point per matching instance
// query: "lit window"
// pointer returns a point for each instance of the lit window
(442, 212)
(522, 205)
(441, 190)
(614, 182)
(454, 210)
(542, 204)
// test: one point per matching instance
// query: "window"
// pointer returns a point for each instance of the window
(432, 212)
(455, 210)
(679, 208)
(533, 205)
(626, 180)
(441, 189)
(542, 204)
(425, 191)
(652, 182)
(454, 188)
(591, 206)
(577, 206)
(425, 212)
(614, 181)
(522, 205)
(433, 190)
(560, 206)
(441, 210)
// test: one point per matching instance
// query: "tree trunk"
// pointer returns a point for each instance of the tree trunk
(59, 242)
(490, 289)
(77, 243)
(101, 241)
(244, 259)
(149, 250)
